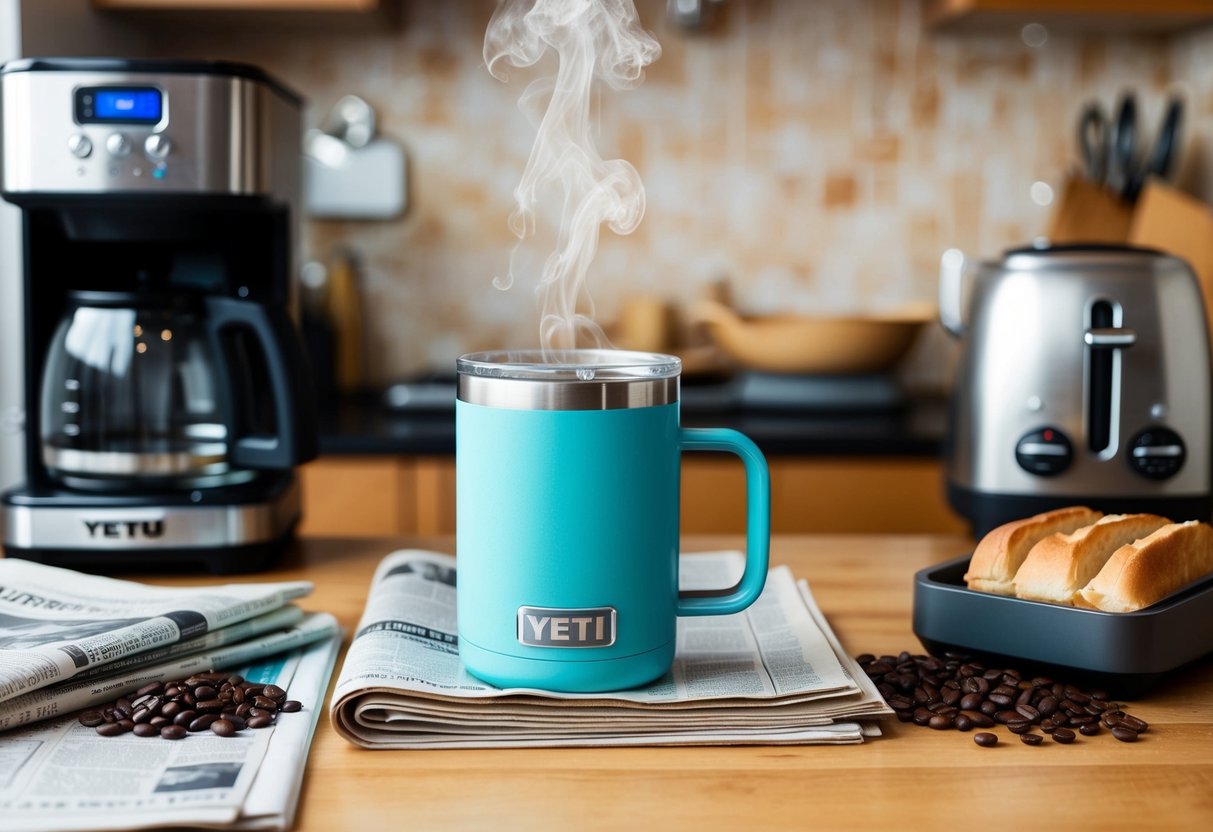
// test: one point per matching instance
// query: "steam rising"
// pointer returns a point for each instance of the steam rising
(592, 39)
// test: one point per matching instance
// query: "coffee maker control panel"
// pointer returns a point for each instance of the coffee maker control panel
(97, 126)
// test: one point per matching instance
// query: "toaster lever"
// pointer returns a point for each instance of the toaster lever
(1110, 337)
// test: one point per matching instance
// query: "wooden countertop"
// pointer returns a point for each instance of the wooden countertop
(907, 779)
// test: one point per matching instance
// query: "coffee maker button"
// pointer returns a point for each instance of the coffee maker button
(157, 146)
(1044, 452)
(80, 145)
(118, 145)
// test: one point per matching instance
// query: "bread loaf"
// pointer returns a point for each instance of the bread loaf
(1061, 564)
(1001, 552)
(1144, 572)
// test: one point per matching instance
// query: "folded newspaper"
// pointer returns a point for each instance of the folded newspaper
(70, 641)
(773, 674)
(56, 623)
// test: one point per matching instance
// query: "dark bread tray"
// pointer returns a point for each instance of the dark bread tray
(1125, 653)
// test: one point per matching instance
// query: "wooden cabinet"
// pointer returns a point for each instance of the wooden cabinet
(358, 497)
(372, 496)
(1093, 15)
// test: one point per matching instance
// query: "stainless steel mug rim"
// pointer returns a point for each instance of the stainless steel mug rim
(595, 379)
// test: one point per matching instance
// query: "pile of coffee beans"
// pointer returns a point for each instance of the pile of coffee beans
(955, 692)
(219, 702)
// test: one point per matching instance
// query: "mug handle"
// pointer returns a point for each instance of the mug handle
(758, 524)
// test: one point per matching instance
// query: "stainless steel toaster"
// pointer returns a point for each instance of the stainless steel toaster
(1084, 378)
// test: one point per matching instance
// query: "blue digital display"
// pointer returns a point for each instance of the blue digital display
(119, 105)
(132, 104)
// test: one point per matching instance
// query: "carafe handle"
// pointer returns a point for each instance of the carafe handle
(290, 386)
(758, 524)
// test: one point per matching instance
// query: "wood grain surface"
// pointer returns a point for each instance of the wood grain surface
(912, 778)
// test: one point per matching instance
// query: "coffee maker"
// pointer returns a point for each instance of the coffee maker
(167, 397)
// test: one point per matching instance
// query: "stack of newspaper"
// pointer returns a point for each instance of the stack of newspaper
(774, 674)
(70, 641)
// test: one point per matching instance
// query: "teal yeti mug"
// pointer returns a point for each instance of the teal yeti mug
(567, 478)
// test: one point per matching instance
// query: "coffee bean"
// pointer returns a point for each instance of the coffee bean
(266, 721)
(1064, 736)
(1140, 726)
(170, 709)
(986, 739)
(127, 724)
(159, 721)
(1031, 739)
(1121, 733)
(185, 717)
(267, 704)
(210, 705)
(899, 703)
(979, 719)
(223, 728)
(1028, 712)
(291, 706)
(173, 732)
(144, 729)
(113, 729)
(150, 687)
(142, 715)
(202, 723)
(239, 680)
(278, 694)
(952, 692)
(91, 718)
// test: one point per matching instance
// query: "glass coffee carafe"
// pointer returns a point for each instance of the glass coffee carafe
(141, 390)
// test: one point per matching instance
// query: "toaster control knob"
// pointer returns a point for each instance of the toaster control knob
(1044, 452)
(1157, 453)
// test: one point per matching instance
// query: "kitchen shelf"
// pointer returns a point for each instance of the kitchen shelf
(357, 6)
(1152, 16)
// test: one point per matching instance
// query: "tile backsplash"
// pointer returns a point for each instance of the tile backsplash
(819, 156)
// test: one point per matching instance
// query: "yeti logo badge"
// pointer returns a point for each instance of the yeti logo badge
(550, 627)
